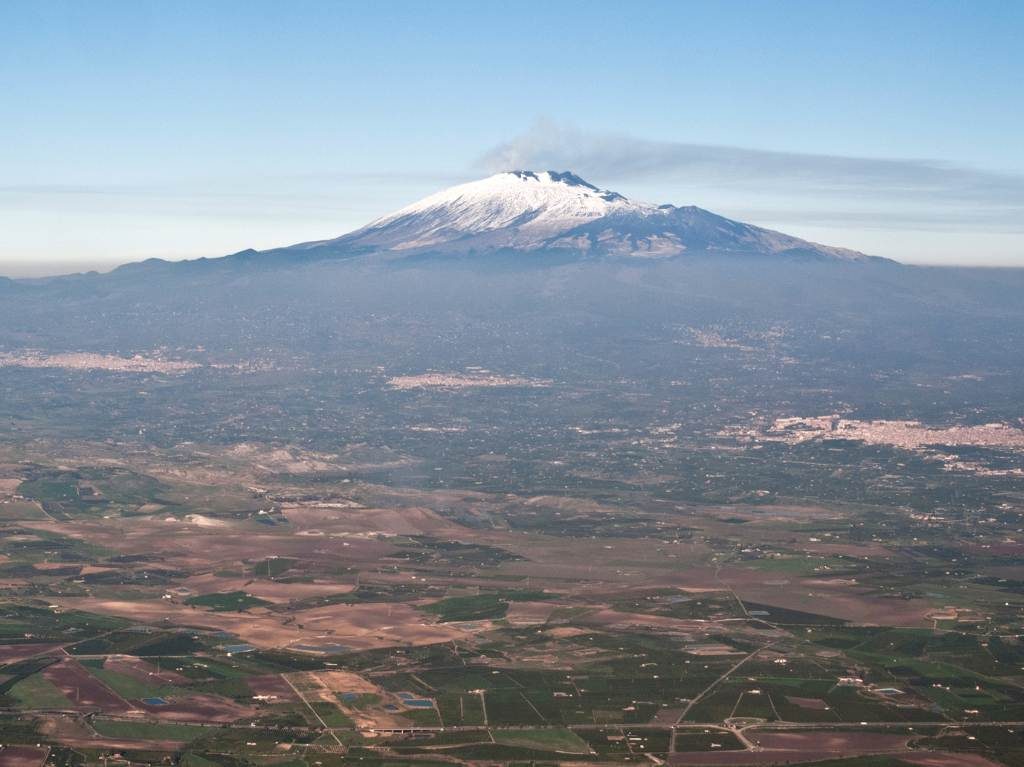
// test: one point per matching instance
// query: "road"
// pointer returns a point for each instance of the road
(313, 710)
(824, 726)
(703, 693)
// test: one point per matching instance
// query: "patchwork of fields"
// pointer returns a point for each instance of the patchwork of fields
(234, 613)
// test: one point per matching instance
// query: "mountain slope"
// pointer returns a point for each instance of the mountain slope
(547, 211)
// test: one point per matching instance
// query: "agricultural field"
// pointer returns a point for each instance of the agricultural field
(322, 634)
(669, 553)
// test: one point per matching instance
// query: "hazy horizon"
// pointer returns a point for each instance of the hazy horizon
(139, 131)
(45, 267)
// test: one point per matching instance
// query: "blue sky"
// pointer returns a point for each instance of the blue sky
(182, 129)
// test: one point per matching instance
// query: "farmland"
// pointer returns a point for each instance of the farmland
(512, 644)
(665, 549)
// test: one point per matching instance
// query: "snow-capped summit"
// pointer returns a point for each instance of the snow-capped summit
(535, 204)
(558, 212)
(517, 209)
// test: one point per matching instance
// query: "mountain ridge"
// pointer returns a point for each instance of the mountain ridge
(526, 217)
(536, 211)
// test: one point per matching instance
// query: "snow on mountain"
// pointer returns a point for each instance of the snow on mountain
(531, 207)
(548, 211)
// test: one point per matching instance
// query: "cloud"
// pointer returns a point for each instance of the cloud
(299, 194)
(601, 158)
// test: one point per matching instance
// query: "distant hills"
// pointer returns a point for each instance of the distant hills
(533, 272)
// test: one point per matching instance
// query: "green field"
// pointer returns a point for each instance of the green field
(14, 510)
(469, 608)
(555, 739)
(37, 692)
(149, 731)
(130, 688)
(230, 601)
(331, 715)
